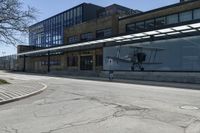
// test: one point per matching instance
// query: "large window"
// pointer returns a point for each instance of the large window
(87, 36)
(73, 39)
(50, 32)
(104, 33)
(150, 24)
(160, 22)
(72, 61)
(185, 16)
(139, 26)
(75, 15)
(172, 19)
(52, 63)
(71, 20)
(197, 14)
(79, 14)
(130, 28)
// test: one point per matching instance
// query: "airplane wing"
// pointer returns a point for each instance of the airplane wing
(129, 61)
(119, 59)
(147, 48)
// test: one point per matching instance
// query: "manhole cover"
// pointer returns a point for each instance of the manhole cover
(188, 107)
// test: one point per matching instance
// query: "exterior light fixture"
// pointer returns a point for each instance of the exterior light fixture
(118, 38)
(197, 25)
(165, 30)
(151, 33)
(179, 28)
(159, 35)
(128, 36)
(138, 38)
(126, 40)
(139, 35)
(187, 31)
(146, 37)
(173, 33)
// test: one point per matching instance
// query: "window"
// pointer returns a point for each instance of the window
(79, 15)
(78, 11)
(186, 16)
(172, 19)
(72, 61)
(71, 22)
(149, 24)
(81, 11)
(68, 19)
(65, 16)
(139, 26)
(87, 36)
(55, 62)
(99, 60)
(74, 15)
(52, 63)
(130, 28)
(44, 63)
(73, 39)
(160, 22)
(197, 14)
(104, 33)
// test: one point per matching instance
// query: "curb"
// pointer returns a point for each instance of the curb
(24, 96)
(138, 82)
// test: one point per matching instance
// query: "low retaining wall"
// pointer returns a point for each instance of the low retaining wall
(75, 73)
(179, 77)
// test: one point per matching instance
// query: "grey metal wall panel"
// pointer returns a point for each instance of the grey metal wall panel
(180, 54)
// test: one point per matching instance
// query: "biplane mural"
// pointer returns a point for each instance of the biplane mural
(165, 55)
(138, 57)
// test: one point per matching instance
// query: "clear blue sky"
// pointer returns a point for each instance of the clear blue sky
(48, 8)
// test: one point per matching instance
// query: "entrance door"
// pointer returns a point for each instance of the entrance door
(86, 63)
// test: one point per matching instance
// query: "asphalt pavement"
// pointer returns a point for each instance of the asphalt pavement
(87, 106)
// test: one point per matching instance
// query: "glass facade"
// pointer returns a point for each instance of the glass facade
(160, 22)
(50, 32)
(72, 61)
(172, 19)
(87, 36)
(196, 14)
(73, 39)
(150, 24)
(139, 26)
(104, 33)
(185, 16)
(52, 63)
(165, 20)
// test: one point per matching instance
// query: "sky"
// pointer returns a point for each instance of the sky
(48, 8)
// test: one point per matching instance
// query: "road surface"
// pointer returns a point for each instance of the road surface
(84, 106)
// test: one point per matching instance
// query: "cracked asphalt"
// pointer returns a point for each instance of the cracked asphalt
(84, 106)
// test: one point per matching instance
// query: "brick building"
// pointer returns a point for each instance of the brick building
(116, 33)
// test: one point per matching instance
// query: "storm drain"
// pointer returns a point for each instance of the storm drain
(188, 107)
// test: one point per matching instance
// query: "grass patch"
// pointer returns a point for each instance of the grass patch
(3, 82)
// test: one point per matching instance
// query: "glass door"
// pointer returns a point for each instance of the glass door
(86, 63)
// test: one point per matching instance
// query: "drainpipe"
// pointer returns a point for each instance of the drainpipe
(24, 61)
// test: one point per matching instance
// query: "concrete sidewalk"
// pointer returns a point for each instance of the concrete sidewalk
(19, 90)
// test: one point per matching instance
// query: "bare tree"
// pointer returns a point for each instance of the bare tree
(14, 19)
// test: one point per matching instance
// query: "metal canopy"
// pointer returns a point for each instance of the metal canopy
(187, 28)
